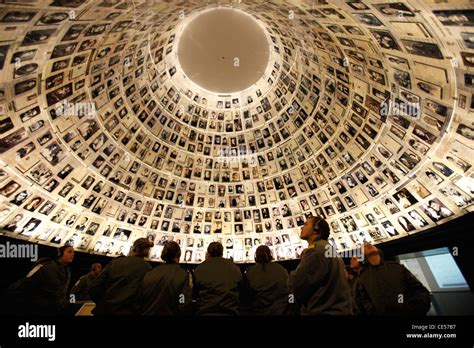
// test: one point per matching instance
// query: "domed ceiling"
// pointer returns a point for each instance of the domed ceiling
(127, 119)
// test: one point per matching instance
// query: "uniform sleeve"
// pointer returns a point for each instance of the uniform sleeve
(185, 301)
(363, 303)
(48, 281)
(308, 276)
(196, 284)
(48, 288)
(78, 288)
(419, 299)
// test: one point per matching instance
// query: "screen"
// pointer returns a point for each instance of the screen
(436, 269)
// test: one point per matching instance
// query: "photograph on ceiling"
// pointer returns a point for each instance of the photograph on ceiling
(460, 199)
(18, 16)
(6, 125)
(25, 86)
(30, 227)
(21, 56)
(385, 39)
(436, 210)
(67, 3)
(468, 39)
(466, 131)
(63, 50)
(13, 139)
(389, 228)
(59, 94)
(404, 198)
(54, 18)
(458, 162)
(36, 37)
(25, 70)
(424, 135)
(405, 223)
(425, 49)
(395, 9)
(458, 18)
(21, 197)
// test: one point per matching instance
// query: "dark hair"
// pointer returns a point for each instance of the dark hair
(350, 271)
(141, 247)
(263, 254)
(171, 251)
(321, 226)
(94, 265)
(62, 249)
(215, 249)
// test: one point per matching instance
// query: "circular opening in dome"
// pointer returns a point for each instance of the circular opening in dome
(223, 50)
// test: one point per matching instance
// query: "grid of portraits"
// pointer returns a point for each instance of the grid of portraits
(363, 116)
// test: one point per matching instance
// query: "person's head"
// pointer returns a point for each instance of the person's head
(141, 247)
(215, 249)
(314, 229)
(96, 268)
(434, 205)
(263, 254)
(171, 252)
(66, 254)
(356, 265)
(350, 272)
(372, 254)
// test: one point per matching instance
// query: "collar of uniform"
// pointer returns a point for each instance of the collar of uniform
(313, 244)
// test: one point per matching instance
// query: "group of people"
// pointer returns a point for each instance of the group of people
(320, 285)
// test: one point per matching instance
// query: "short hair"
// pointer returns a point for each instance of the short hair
(321, 226)
(215, 249)
(141, 247)
(94, 265)
(263, 254)
(170, 252)
(62, 250)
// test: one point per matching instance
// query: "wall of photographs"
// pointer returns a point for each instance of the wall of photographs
(364, 116)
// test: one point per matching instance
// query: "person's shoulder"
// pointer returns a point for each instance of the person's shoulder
(202, 265)
(117, 261)
(394, 265)
(279, 267)
(180, 270)
(85, 276)
(314, 251)
(252, 269)
(231, 264)
(50, 265)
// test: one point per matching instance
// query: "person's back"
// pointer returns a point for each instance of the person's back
(319, 282)
(83, 285)
(115, 290)
(268, 284)
(353, 272)
(216, 284)
(167, 288)
(49, 285)
(381, 284)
